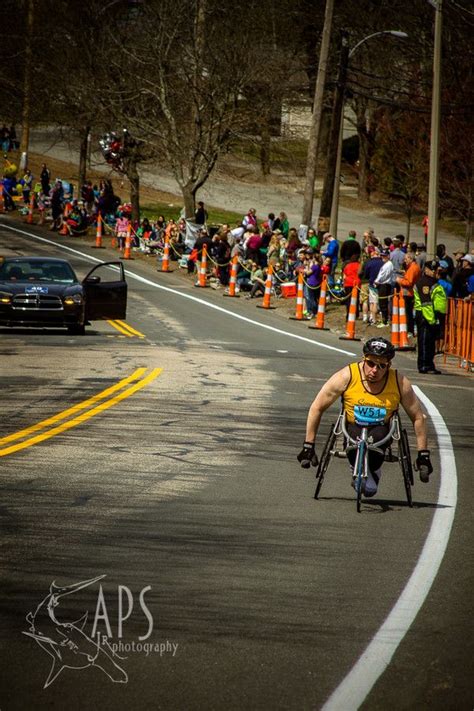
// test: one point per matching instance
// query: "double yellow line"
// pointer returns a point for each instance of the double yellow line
(139, 381)
(126, 329)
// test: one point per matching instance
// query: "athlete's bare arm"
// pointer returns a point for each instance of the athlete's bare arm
(412, 407)
(328, 394)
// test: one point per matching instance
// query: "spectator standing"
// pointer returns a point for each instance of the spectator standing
(331, 251)
(200, 215)
(397, 257)
(383, 282)
(56, 205)
(462, 276)
(27, 185)
(223, 258)
(407, 282)
(294, 243)
(351, 278)
(424, 224)
(284, 226)
(350, 247)
(45, 179)
(121, 228)
(442, 255)
(312, 274)
(421, 255)
(312, 238)
(430, 304)
(371, 271)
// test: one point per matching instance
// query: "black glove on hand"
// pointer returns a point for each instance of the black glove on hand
(308, 456)
(423, 465)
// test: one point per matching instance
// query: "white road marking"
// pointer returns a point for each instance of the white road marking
(143, 280)
(355, 687)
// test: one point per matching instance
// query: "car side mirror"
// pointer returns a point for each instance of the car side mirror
(92, 280)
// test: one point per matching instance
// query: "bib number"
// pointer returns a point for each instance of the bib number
(368, 415)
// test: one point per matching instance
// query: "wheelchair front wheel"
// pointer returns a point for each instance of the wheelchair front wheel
(404, 457)
(324, 460)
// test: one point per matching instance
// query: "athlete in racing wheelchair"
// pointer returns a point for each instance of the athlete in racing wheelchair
(371, 392)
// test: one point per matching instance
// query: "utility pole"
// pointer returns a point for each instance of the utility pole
(435, 135)
(333, 145)
(313, 141)
(25, 118)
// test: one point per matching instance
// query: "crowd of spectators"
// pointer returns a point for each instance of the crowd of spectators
(377, 267)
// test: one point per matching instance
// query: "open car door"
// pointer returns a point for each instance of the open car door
(105, 292)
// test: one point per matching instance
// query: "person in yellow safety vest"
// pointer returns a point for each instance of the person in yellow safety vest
(430, 302)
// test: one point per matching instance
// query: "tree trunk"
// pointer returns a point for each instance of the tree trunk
(134, 178)
(188, 198)
(336, 118)
(312, 156)
(84, 145)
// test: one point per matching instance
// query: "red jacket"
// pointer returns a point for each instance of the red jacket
(351, 274)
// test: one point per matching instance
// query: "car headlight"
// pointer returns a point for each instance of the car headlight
(75, 299)
(5, 298)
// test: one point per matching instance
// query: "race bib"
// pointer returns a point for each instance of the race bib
(368, 415)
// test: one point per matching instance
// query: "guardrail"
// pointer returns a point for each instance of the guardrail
(459, 333)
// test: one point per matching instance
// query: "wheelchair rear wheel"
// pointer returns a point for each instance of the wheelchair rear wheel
(406, 465)
(324, 460)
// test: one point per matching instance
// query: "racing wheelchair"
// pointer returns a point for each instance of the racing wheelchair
(340, 442)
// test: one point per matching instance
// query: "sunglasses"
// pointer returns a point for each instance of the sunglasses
(373, 364)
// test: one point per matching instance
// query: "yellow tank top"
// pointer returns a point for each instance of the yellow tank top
(356, 394)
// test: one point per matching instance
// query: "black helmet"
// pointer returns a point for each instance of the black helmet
(379, 347)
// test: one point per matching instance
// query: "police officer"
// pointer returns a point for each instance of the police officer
(430, 302)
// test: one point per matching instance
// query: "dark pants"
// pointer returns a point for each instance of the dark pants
(375, 434)
(427, 336)
(384, 291)
(409, 313)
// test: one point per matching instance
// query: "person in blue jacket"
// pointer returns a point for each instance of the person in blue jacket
(331, 251)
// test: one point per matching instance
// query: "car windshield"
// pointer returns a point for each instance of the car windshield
(21, 270)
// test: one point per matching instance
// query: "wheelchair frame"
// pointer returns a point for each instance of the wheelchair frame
(330, 450)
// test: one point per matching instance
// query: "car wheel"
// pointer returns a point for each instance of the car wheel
(76, 329)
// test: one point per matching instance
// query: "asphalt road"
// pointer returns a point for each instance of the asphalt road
(187, 491)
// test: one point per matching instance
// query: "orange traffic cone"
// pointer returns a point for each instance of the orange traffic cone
(165, 261)
(98, 233)
(31, 208)
(233, 278)
(319, 320)
(127, 252)
(202, 281)
(402, 318)
(299, 300)
(268, 290)
(351, 319)
(64, 230)
(395, 330)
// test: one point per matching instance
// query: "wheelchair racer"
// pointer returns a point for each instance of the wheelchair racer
(369, 383)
